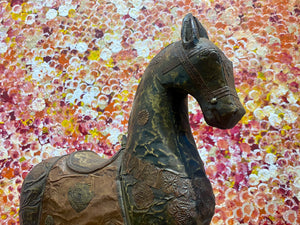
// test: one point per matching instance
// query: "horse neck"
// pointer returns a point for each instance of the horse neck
(159, 130)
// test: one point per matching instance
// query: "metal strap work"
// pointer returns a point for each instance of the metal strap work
(190, 69)
(211, 96)
(221, 92)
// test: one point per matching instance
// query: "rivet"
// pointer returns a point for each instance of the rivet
(213, 101)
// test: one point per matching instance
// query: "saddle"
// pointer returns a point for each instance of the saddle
(87, 161)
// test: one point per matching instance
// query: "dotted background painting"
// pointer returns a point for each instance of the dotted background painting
(69, 70)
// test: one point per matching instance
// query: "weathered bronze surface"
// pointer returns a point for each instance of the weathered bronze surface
(157, 177)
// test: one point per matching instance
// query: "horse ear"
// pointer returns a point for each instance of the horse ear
(191, 31)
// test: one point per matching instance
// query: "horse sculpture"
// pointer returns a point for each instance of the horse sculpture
(157, 177)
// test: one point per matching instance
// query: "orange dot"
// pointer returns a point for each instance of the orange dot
(8, 173)
(255, 213)
(220, 199)
(220, 25)
(238, 213)
(270, 208)
(245, 196)
(231, 221)
(292, 19)
(216, 219)
(246, 219)
(287, 38)
(291, 216)
(63, 60)
(4, 198)
(260, 202)
(248, 209)
(230, 194)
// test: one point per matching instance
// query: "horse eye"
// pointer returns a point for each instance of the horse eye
(214, 55)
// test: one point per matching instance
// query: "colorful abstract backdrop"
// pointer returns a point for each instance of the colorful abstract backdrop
(69, 70)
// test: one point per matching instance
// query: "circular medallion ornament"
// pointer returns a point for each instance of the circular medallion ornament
(142, 117)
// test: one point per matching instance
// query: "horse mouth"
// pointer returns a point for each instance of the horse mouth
(224, 120)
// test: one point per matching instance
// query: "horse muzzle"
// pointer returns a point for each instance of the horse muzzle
(224, 113)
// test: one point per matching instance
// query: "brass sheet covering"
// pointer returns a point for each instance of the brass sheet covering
(82, 199)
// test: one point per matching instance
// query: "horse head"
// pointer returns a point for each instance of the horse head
(205, 73)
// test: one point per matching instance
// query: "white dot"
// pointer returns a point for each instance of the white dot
(270, 158)
(134, 13)
(63, 10)
(116, 47)
(81, 47)
(38, 105)
(3, 47)
(30, 19)
(274, 119)
(51, 14)
(105, 54)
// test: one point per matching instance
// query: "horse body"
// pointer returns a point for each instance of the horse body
(158, 176)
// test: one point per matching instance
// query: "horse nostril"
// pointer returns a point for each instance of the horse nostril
(234, 108)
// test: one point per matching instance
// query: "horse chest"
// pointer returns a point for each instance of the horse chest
(160, 196)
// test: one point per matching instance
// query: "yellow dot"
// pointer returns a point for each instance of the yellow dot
(71, 13)
(65, 123)
(94, 55)
(15, 16)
